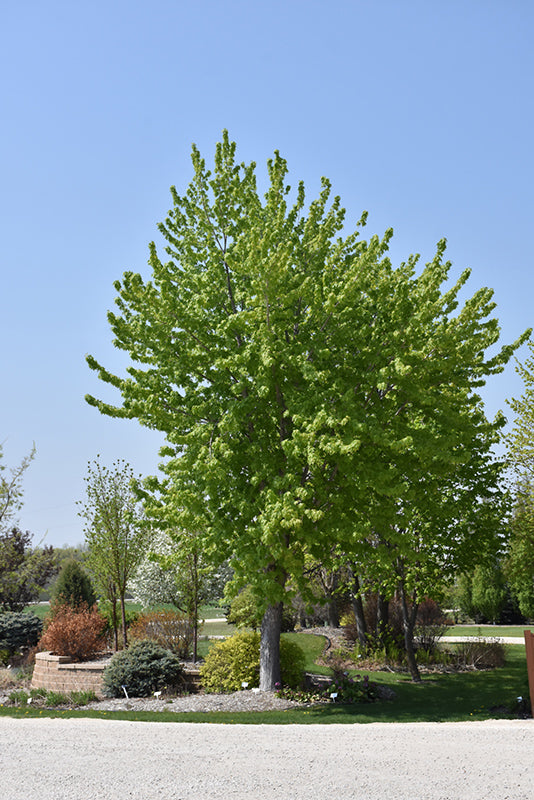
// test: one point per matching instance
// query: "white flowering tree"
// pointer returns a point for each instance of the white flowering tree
(174, 573)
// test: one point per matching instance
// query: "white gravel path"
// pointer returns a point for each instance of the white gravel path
(87, 759)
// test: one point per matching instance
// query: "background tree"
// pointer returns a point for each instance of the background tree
(520, 563)
(24, 570)
(294, 373)
(11, 491)
(452, 523)
(488, 592)
(115, 535)
(152, 584)
(73, 586)
(175, 572)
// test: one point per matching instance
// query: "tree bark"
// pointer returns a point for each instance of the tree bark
(271, 627)
(357, 607)
(115, 624)
(382, 619)
(123, 618)
(333, 612)
(409, 614)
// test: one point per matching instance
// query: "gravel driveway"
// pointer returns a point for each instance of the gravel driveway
(88, 759)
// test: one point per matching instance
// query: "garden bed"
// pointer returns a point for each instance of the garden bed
(60, 674)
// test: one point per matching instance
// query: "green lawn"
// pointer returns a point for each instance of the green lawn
(217, 629)
(488, 630)
(206, 612)
(439, 698)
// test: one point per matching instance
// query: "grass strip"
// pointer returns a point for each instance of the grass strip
(490, 631)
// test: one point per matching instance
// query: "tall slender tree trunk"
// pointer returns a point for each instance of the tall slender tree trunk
(409, 615)
(357, 607)
(123, 619)
(115, 623)
(382, 619)
(271, 627)
(195, 586)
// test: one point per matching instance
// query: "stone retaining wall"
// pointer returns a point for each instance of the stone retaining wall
(60, 674)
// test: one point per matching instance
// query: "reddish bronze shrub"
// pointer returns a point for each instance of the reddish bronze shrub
(74, 632)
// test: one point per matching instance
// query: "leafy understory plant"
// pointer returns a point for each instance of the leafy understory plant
(171, 629)
(51, 699)
(343, 689)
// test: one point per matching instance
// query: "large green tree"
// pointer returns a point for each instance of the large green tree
(521, 438)
(294, 373)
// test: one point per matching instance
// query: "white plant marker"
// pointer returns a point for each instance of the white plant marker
(125, 692)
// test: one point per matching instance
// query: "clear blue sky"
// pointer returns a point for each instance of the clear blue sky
(420, 112)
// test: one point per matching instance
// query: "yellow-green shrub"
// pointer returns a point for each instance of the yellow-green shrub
(236, 660)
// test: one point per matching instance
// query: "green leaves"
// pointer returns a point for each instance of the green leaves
(309, 391)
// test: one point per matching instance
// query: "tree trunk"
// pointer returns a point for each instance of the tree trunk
(195, 639)
(357, 607)
(123, 618)
(409, 615)
(382, 619)
(115, 623)
(333, 612)
(271, 627)
(195, 605)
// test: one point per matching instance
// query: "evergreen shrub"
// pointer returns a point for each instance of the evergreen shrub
(145, 667)
(73, 586)
(18, 631)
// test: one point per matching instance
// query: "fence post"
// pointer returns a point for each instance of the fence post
(529, 647)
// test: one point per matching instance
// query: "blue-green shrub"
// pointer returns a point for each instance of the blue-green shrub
(18, 631)
(145, 667)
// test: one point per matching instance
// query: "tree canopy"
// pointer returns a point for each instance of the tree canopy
(305, 386)
(11, 491)
(24, 570)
